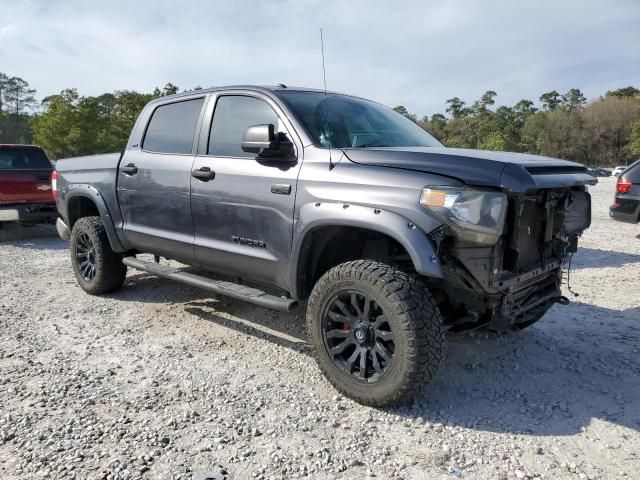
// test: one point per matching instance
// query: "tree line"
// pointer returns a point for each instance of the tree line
(68, 124)
(603, 132)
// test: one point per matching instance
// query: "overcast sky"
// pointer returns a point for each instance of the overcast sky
(417, 53)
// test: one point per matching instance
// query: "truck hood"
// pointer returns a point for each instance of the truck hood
(513, 172)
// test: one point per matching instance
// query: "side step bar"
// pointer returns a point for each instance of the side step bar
(233, 290)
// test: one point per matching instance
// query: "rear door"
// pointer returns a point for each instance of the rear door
(243, 213)
(154, 181)
(24, 176)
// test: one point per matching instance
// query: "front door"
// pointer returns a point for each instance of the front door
(154, 182)
(243, 209)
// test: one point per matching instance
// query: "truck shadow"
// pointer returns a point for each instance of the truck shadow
(595, 258)
(284, 329)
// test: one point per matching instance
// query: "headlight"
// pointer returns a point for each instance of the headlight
(476, 215)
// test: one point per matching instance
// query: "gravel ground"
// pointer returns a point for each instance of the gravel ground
(162, 381)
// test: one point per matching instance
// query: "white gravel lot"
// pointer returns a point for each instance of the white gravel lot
(162, 381)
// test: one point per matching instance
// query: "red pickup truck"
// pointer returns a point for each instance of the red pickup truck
(26, 195)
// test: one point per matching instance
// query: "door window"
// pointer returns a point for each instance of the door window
(172, 127)
(232, 116)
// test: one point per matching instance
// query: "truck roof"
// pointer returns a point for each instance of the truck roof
(18, 145)
(256, 88)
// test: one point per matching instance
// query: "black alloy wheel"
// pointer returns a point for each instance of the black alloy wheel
(358, 336)
(375, 331)
(97, 268)
(85, 257)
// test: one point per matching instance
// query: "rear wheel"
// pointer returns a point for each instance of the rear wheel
(97, 268)
(376, 332)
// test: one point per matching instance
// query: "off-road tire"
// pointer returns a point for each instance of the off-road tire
(110, 272)
(413, 317)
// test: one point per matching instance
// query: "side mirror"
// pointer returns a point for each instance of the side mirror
(263, 140)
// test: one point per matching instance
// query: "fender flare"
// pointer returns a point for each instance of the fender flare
(312, 216)
(93, 194)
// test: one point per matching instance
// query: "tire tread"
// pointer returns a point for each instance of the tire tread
(418, 316)
(110, 271)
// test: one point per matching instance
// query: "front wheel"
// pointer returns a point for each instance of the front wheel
(97, 268)
(376, 332)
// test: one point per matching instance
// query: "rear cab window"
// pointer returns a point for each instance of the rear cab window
(19, 158)
(172, 127)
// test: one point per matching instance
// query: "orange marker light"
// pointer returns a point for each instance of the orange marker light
(432, 198)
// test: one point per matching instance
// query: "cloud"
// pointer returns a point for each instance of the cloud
(7, 32)
(415, 53)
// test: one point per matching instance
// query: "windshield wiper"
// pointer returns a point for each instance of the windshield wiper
(367, 145)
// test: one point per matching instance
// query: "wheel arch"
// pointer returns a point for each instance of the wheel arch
(86, 200)
(325, 232)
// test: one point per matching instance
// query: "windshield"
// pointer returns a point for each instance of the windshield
(346, 122)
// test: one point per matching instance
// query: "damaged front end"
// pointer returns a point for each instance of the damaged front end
(512, 283)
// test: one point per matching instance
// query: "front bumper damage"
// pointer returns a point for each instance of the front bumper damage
(512, 284)
(515, 302)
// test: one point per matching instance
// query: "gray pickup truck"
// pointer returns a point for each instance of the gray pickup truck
(303, 195)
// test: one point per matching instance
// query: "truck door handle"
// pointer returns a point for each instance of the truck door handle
(203, 173)
(130, 169)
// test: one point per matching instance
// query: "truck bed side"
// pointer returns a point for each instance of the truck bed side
(89, 183)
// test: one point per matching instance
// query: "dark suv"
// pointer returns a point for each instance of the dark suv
(626, 203)
(389, 237)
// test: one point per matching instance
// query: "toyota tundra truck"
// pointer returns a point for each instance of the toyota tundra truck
(306, 197)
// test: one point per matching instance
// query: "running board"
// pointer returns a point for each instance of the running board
(229, 289)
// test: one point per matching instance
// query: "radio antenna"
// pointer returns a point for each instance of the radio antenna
(326, 100)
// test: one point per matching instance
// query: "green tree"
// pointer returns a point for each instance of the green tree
(624, 92)
(550, 100)
(73, 125)
(436, 125)
(483, 120)
(4, 79)
(494, 141)
(607, 130)
(561, 136)
(532, 132)
(168, 89)
(573, 99)
(634, 143)
(456, 107)
(58, 129)
(402, 110)
(482, 106)
(127, 106)
(523, 109)
(461, 133)
(18, 96)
